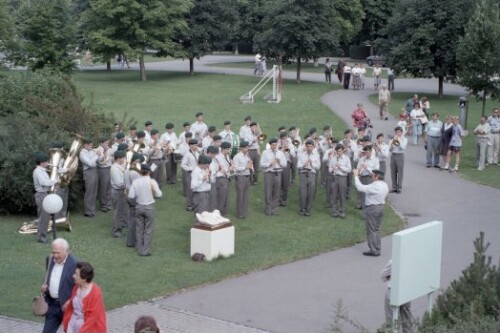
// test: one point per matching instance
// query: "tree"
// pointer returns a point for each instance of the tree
(44, 36)
(133, 26)
(479, 52)
(5, 22)
(422, 37)
(300, 29)
(208, 29)
(348, 19)
(377, 14)
(472, 298)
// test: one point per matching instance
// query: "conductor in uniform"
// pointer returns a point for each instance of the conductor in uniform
(375, 195)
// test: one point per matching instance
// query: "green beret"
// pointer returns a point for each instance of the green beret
(212, 150)
(204, 159)
(154, 131)
(169, 126)
(120, 153)
(120, 135)
(225, 145)
(136, 157)
(41, 157)
(122, 146)
(57, 144)
(273, 140)
(243, 144)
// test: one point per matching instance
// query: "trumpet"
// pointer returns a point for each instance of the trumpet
(262, 137)
(296, 143)
(395, 142)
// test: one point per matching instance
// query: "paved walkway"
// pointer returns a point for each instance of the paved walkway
(301, 296)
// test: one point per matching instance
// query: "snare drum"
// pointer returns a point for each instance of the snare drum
(235, 144)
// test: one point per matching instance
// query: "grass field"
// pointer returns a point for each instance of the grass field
(448, 105)
(260, 241)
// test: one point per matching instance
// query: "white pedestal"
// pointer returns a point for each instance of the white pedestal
(213, 243)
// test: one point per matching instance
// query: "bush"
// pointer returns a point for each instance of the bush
(359, 52)
(36, 110)
(473, 299)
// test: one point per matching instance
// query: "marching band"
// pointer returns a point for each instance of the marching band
(211, 160)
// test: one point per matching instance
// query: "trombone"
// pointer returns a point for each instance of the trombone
(261, 136)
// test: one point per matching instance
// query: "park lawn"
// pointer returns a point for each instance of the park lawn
(449, 105)
(261, 241)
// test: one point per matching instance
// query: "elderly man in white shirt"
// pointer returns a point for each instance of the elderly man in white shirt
(375, 195)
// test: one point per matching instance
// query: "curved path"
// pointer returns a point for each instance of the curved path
(301, 296)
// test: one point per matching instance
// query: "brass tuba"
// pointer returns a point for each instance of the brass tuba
(55, 156)
(71, 161)
(62, 223)
(130, 153)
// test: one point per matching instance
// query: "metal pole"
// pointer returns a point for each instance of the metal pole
(395, 315)
(429, 302)
(54, 233)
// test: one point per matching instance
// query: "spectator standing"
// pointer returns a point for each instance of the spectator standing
(432, 140)
(340, 70)
(405, 317)
(482, 133)
(377, 71)
(328, 71)
(446, 132)
(418, 120)
(384, 98)
(390, 78)
(494, 149)
(347, 76)
(455, 144)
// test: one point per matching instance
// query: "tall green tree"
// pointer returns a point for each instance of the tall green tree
(300, 29)
(208, 28)
(133, 26)
(377, 14)
(422, 37)
(479, 52)
(348, 19)
(44, 35)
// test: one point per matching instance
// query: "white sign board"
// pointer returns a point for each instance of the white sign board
(416, 262)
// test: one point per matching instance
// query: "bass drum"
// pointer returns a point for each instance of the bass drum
(234, 140)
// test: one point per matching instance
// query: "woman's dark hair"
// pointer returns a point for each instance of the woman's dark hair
(86, 271)
(146, 324)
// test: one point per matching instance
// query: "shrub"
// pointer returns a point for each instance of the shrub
(473, 299)
(36, 110)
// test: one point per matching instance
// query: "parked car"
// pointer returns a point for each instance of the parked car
(375, 60)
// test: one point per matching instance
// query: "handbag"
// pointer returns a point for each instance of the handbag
(39, 305)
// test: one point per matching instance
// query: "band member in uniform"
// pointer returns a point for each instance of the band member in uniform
(288, 149)
(376, 193)
(217, 142)
(246, 127)
(189, 162)
(208, 140)
(323, 145)
(186, 129)
(243, 167)
(325, 160)
(171, 144)
(132, 135)
(200, 185)
(199, 128)
(222, 178)
(381, 152)
(130, 175)
(253, 150)
(62, 191)
(397, 147)
(144, 190)
(339, 166)
(104, 161)
(366, 164)
(183, 150)
(295, 138)
(212, 152)
(148, 126)
(88, 157)
(350, 147)
(141, 139)
(119, 139)
(308, 165)
(272, 162)
(120, 216)
(42, 183)
(226, 133)
(156, 157)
